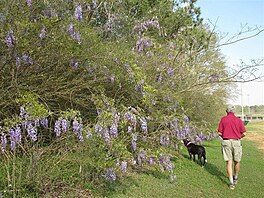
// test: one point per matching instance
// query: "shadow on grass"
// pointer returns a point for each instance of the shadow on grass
(188, 157)
(213, 170)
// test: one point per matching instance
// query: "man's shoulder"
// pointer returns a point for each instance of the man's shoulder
(224, 117)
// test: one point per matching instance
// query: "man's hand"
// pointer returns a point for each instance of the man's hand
(220, 134)
(243, 134)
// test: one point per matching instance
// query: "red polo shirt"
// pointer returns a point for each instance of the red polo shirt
(231, 127)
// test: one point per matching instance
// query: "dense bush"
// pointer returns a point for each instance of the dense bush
(126, 79)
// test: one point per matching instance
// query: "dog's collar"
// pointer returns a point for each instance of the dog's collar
(189, 143)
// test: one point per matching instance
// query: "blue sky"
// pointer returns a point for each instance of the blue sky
(229, 16)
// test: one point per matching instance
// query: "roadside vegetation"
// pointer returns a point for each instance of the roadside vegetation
(191, 180)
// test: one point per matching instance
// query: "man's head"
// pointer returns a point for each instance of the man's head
(230, 108)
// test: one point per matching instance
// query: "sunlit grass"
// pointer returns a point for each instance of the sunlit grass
(194, 181)
(65, 177)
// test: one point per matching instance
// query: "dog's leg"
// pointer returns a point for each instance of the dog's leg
(204, 157)
(194, 157)
(200, 159)
(190, 156)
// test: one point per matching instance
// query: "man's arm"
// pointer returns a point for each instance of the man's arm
(242, 130)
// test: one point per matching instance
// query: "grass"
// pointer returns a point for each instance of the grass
(192, 180)
(256, 127)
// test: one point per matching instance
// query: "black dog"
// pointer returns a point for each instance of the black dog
(194, 149)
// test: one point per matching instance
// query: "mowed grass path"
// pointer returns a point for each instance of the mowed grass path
(193, 181)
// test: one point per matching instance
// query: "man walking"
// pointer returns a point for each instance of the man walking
(231, 129)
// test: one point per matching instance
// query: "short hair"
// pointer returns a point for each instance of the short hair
(230, 108)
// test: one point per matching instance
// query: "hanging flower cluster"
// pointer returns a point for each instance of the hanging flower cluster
(65, 124)
(27, 124)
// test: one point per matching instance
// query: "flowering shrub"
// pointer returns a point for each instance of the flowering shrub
(121, 82)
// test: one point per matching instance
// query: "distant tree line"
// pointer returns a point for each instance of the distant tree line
(256, 109)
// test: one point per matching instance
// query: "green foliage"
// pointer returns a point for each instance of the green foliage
(88, 72)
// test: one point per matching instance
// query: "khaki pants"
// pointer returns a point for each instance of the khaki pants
(232, 150)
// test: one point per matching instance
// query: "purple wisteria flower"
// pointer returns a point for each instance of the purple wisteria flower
(131, 118)
(118, 163)
(129, 129)
(134, 141)
(146, 25)
(187, 130)
(77, 37)
(42, 33)
(172, 45)
(159, 78)
(44, 122)
(142, 43)
(3, 142)
(78, 12)
(170, 166)
(174, 124)
(136, 88)
(110, 175)
(170, 71)
(65, 125)
(36, 122)
(88, 134)
(29, 3)
(32, 131)
(144, 126)
(133, 161)
(199, 140)
(214, 78)
(151, 161)
(202, 136)
(141, 157)
(77, 128)
(15, 137)
(164, 140)
(10, 38)
(163, 160)
(112, 78)
(74, 35)
(107, 136)
(88, 8)
(149, 54)
(71, 29)
(18, 61)
(124, 166)
(27, 59)
(57, 127)
(94, 5)
(186, 119)
(98, 129)
(22, 112)
(114, 130)
(74, 63)
(98, 111)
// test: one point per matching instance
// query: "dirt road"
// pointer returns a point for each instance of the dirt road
(257, 136)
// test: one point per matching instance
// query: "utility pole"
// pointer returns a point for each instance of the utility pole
(242, 111)
(249, 108)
